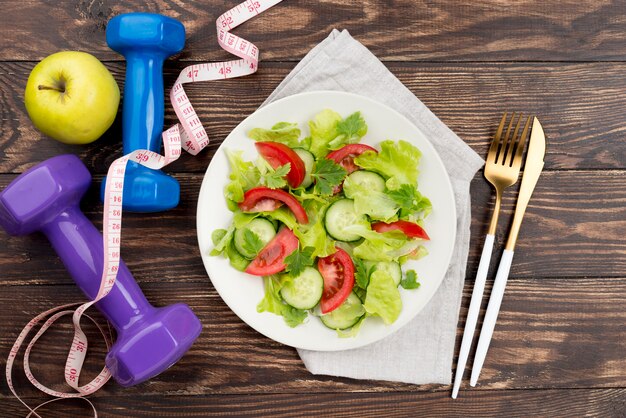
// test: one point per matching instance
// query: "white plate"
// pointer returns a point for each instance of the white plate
(242, 292)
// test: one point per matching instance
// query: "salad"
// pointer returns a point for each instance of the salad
(327, 221)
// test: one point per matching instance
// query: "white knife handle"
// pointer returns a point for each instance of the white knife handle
(492, 314)
(472, 313)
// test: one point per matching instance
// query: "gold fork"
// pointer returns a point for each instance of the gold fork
(504, 160)
(502, 168)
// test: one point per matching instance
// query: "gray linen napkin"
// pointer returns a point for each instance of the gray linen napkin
(420, 352)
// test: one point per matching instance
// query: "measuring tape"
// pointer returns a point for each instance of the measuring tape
(188, 134)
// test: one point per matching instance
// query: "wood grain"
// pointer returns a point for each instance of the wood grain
(558, 349)
(584, 125)
(403, 30)
(546, 332)
(574, 227)
(608, 403)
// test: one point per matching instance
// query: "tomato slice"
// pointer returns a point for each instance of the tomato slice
(338, 273)
(409, 229)
(344, 156)
(264, 199)
(278, 154)
(271, 259)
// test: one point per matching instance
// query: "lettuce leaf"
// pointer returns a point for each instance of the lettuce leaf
(361, 278)
(384, 251)
(303, 197)
(397, 161)
(241, 219)
(418, 253)
(243, 176)
(367, 201)
(221, 238)
(361, 274)
(305, 143)
(388, 246)
(223, 244)
(323, 129)
(330, 132)
(383, 298)
(273, 302)
(314, 233)
(282, 214)
(283, 132)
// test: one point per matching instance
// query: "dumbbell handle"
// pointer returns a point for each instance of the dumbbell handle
(143, 101)
(79, 244)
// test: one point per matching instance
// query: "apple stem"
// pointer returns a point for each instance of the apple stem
(42, 87)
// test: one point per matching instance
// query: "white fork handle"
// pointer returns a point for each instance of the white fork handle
(497, 293)
(472, 313)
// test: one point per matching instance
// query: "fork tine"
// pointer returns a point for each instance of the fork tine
(508, 157)
(517, 161)
(495, 142)
(505, 141)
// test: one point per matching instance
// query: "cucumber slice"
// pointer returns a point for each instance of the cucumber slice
(304, 291)
(367, 179)
(390, 267)
(308, 160)
(346, 315)
(262, 227)
(340, 215)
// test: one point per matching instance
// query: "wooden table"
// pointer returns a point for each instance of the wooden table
(559, 348)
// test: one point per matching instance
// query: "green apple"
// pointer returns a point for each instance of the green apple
(72, 97)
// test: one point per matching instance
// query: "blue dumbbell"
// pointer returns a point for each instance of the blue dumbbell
(145, 40)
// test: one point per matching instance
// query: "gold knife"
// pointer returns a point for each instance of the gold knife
(532, 171)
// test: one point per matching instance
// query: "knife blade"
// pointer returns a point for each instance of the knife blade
(532, 171)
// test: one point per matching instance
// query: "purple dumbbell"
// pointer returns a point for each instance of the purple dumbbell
(46, 198)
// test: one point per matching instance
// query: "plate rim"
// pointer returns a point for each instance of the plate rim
(449, 190)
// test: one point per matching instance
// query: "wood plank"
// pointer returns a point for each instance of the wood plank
(443, 31)
(574, 227)
(551, 333)
(561, 329)
(550, 403)
(584, 125)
